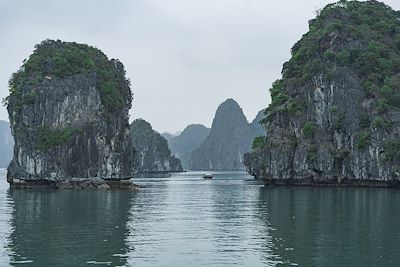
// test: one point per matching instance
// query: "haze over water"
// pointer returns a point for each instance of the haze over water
(184, 220)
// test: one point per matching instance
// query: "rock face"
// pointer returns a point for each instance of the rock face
(6, 144)
(191, 138)
(256, 126)
(68, 109)
(152, 150)
(334, 116)
(230, 137)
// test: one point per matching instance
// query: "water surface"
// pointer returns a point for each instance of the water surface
(184, 220)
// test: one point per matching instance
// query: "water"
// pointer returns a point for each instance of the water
(184, 220)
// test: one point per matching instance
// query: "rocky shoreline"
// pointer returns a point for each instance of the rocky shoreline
(85, 184)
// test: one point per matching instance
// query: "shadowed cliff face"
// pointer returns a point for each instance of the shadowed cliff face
(230, 137)
(334, 117)
(70, 121)
(153, 154)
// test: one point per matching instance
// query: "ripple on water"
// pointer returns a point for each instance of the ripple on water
(186, 221)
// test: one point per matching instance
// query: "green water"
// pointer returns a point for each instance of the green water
(184, 220)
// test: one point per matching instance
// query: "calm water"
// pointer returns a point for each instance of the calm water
(186, 221)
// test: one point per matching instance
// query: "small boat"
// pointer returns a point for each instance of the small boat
(208, 176)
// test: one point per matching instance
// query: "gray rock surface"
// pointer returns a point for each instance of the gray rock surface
(230, 137)
(191, 138)
(329, 128)
(65, 131)
(153, 154)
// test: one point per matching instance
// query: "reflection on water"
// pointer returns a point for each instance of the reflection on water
(334, 226)
(53, 228)
(184, 220)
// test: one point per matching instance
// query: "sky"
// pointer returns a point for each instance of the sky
(184, 57)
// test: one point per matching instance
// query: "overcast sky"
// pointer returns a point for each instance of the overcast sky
(184, 57)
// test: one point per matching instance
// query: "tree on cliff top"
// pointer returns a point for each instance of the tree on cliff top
(62, 59)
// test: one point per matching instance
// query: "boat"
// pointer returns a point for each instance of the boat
(208, 176)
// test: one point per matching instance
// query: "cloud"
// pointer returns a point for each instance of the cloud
(184, 57)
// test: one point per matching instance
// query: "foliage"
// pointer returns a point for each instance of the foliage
(363, 139)
(49, 137)
(383, 106)
(391, 149)
(278, 95)
(364, 121)
(258, 142)
(294, 107)
(309, 129)
(62, 59)
(380, 123)
(364, 37)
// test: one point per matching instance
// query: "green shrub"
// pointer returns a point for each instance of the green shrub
(364, 121)
(380, 123)
(294, 107)
(258, 142)
(391, 149)
(49, 137)
(278, 95)
(363, 139)
(309, 129)
(383, 106)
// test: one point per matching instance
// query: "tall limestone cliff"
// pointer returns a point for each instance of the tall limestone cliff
(230, 137)
(152, 150)
(68, 109)
(191, 138)
(6, 144)
(334, 116)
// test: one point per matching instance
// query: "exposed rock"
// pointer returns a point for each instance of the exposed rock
(191, 138)
(6, 144)
(152, 150)
(68, 109)
(334, 116)
(257, 128)
(230, 137)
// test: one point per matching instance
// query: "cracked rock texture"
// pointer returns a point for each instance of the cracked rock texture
(65, 123)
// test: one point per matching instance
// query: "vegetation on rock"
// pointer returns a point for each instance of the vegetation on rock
(341, 87)
(68, 109)
(309, 129)
(363, 36)
(258, 142)
(49, 138)
(62, 59)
